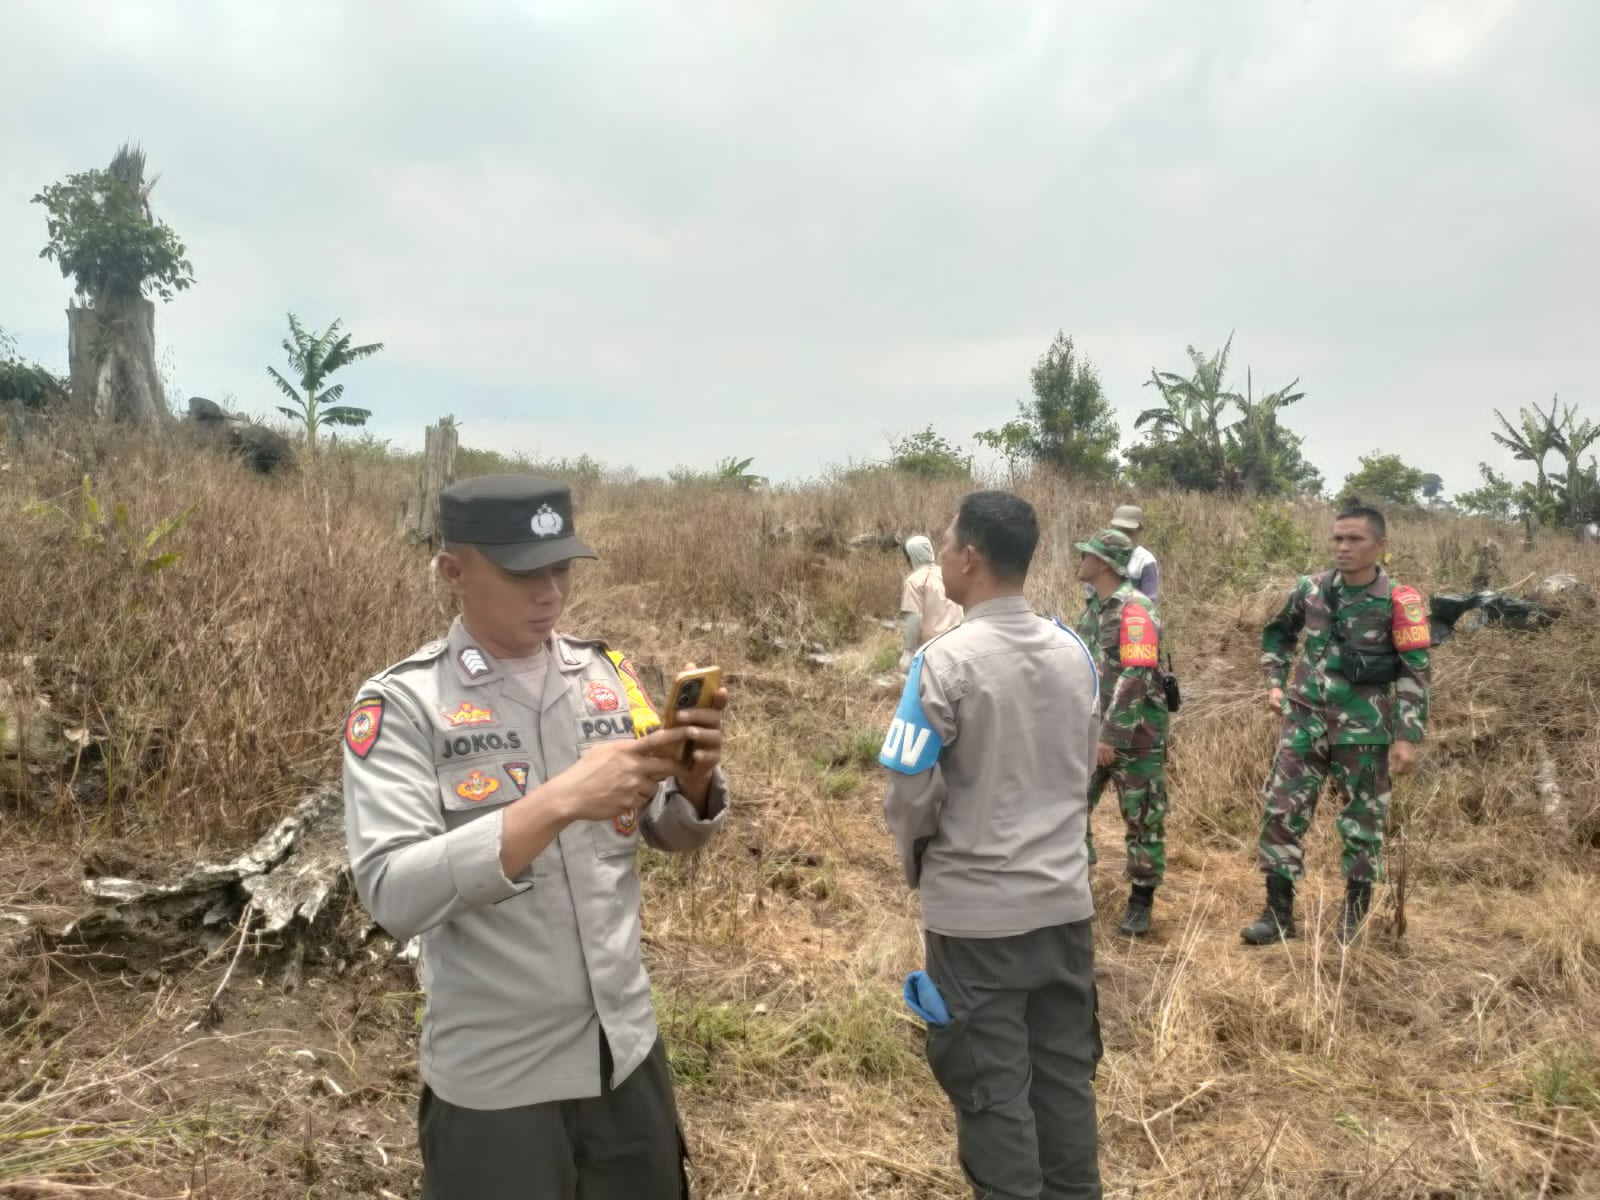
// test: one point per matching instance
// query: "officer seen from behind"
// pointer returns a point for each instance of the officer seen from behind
(989, 757)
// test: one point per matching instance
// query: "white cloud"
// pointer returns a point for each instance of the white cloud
(666, 233)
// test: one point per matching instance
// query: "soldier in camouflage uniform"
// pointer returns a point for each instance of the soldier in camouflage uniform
(1356, 707)
(1123, 629)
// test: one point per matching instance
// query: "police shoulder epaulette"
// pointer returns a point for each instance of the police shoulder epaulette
(571, 648)
(938, 637)
(425, 654)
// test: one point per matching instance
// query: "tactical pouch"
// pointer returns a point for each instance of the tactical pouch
(1360, 665)
(1169, 685)
(1368, 667)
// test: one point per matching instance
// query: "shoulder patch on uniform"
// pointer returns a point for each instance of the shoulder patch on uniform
(1411, 630)
(911, 746)
(362, 726)
(643, 712)
(1137, 638)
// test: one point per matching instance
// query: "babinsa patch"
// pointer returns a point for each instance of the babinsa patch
(626, 822)
(1410, 629)
(1137, 646)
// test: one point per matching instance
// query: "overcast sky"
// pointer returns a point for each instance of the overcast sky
(664, 233)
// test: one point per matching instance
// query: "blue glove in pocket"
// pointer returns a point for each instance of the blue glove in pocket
(923, 998)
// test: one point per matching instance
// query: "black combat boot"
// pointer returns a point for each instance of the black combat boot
(1357, 899)
(1136, 921)
(1277, 919)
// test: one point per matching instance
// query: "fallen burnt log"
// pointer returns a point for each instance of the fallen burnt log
(289, 878)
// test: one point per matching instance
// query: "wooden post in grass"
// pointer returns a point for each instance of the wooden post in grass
(1064, 581)
(419, 520)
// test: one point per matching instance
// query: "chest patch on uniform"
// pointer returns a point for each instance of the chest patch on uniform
(626, 822)
(617, 725)
(479, 743)
(468, 714)
(518, 774)
(1410, 621)
(911, 746)
(361, 729)
(477, 786)
(473, 662)
(602, 697)
(1137, 640)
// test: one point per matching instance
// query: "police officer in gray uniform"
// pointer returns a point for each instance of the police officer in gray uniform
(990, 754)
(497, 786)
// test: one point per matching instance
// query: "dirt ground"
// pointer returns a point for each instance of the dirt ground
(110, 1061)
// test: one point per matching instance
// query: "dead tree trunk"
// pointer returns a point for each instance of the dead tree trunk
(111, 352)
(1063, 579)
(419, 520)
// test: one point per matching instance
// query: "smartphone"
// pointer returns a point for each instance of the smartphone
(694, 688)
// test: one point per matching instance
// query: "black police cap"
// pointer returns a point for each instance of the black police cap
(520, 522)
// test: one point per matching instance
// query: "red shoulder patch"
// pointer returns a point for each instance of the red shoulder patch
(362, 726)
(1410, 619)
(1137, 643)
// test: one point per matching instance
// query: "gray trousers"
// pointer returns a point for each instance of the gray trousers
(1018, 1058)
(623, 1144)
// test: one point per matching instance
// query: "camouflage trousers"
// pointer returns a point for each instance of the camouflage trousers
(1140, 777)
(1361, 776)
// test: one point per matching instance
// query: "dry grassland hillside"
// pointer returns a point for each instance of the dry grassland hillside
(160, 712)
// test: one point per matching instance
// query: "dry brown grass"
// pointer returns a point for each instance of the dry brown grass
(1461, 1061)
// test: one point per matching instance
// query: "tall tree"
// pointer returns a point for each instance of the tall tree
(1068, 426)
(1531, 440)
(1498, 497)
(1206, 437)
(1194, 410)
(314, 357)
(1385, 478)
(1572, 439)
(103, 236)
(1265, 458)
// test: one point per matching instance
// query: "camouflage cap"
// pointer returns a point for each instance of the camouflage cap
(1112, 545)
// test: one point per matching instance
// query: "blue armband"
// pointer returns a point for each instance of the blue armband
(912, 746)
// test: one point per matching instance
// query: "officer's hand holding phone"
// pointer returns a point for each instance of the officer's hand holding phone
(694, 708)
(621, 777)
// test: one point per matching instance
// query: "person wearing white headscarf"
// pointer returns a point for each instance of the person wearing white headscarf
(925, 612)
